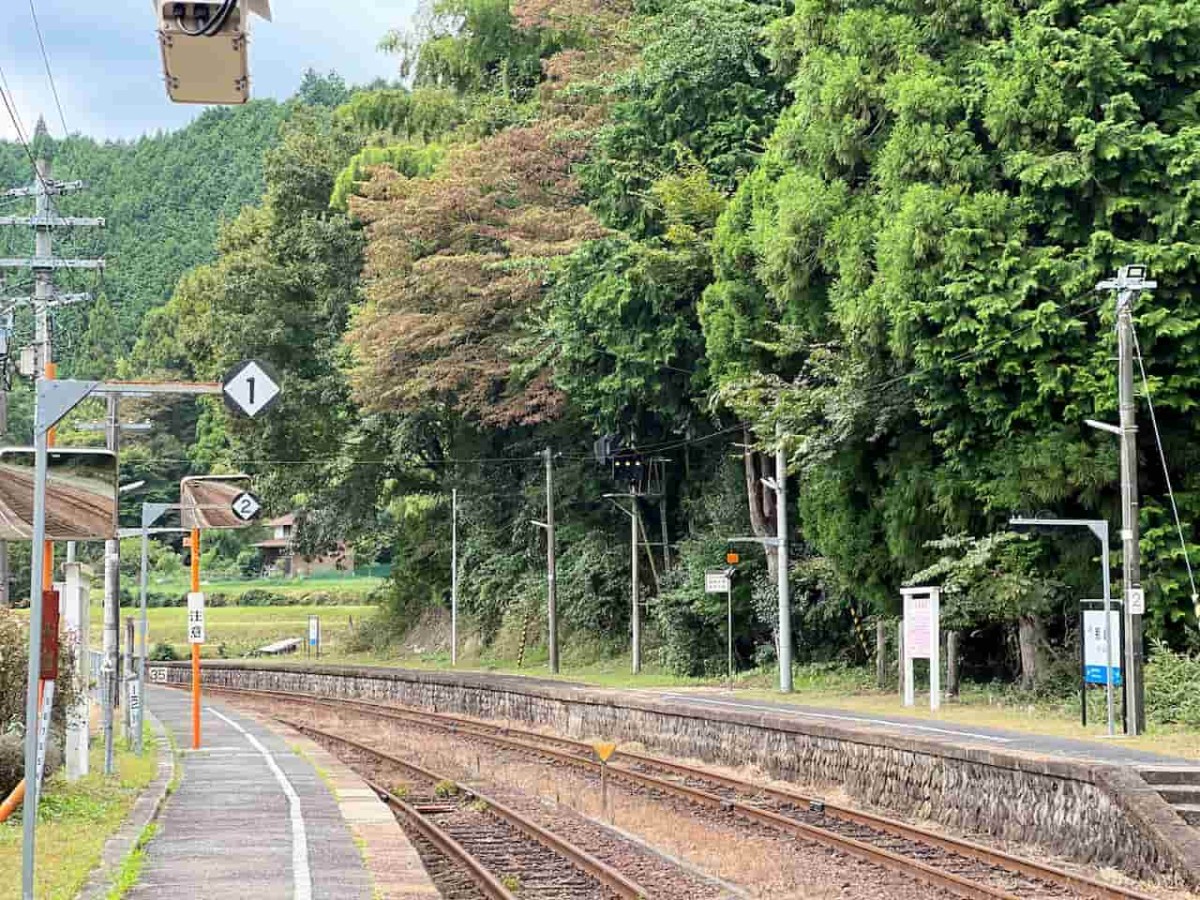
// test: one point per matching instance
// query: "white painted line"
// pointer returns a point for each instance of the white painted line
(300, 871)
(841, 718)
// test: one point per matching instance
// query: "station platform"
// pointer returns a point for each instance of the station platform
(253, 817)
(1109, 751)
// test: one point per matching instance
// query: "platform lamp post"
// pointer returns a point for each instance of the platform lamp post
(1098, 527)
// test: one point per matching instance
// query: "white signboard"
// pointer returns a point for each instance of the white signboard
(922, 640)
(716, 582)
(158, 674)
(314, 631)
(1095, 646)
(250, 388)
(1137, 602)
(195, 602)
(135, 696)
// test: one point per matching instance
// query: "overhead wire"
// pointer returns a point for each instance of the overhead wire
(1162, 456)
(49, 74)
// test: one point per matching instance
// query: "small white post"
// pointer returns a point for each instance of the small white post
(74, 593)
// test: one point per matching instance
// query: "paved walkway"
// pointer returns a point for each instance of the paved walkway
(1105, 750)
(251, 818)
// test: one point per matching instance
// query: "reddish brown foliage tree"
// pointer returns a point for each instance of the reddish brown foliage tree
(454, 262)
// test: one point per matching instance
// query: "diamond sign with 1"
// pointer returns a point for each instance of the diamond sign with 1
(250, 388)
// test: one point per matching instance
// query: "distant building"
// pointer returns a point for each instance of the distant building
(280, 559)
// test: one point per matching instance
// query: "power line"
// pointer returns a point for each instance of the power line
(49, 74)
(17, 123)
(1162, 456)
(5, 95)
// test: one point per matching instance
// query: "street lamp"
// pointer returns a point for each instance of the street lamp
(1098, 527)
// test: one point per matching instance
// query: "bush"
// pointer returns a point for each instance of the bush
(262, 597)
(1173, 687)
(12, 759)
(163, 652)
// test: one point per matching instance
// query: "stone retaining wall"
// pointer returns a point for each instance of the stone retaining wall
(1091, 813)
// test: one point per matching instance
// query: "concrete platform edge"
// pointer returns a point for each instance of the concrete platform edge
(144, 811)
(1175, 839)
(393, 863)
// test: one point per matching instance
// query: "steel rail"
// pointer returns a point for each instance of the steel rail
(488, 883)
(501, 735)
(599, 870)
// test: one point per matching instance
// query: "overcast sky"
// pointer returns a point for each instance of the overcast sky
(106, 63)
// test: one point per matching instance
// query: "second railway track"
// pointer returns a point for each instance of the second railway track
(962, 867)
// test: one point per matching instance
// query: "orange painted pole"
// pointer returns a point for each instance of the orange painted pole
(195, 647)
(50, 372)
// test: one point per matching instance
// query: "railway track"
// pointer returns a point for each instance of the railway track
(492, 850)
(964, 868)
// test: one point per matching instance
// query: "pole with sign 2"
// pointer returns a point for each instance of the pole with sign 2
(210, 501)
(922, 640)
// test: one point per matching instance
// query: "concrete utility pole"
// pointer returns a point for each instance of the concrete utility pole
(1129, 283)
(551, 567)
(635, 611)
(785, 599)
(43, 264)
(110, 668)
(778, 484)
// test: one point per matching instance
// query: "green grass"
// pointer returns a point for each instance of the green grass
(131, 868)
(74, 822)
(242, 629)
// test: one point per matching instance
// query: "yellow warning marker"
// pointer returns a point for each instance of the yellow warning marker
(603, 751)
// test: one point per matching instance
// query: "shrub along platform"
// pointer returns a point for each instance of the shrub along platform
(1097, 812)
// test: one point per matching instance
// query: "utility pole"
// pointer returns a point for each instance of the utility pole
(551, 567)
(43, 264)
(785, 599)
(454, 576)
(1129, 283)
(110, 668)
(635, 610)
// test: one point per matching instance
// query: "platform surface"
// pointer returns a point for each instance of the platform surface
(1109, 751)
(231, 829)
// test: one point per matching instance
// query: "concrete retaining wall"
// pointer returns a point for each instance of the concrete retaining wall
(1090, 813)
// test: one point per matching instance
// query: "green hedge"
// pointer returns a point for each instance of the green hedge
(1173, 687)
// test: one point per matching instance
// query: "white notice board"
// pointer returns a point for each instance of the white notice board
(922, 640)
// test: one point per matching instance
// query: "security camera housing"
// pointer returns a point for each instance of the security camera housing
(203, 68)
